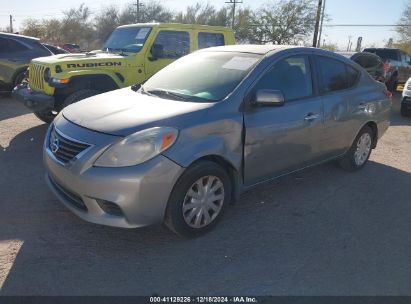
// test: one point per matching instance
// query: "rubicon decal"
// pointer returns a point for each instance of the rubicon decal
(92, 64)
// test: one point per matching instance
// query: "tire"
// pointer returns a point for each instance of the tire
(351, 161)
(204, 173)
(79, 95)
(392, 85)
(19, 78)
(404, 110)
(46, 116)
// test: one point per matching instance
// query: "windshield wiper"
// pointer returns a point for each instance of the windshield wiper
(159, 92)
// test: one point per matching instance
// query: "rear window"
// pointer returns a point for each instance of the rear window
(384, 54)
(336, 75)
(206, 40)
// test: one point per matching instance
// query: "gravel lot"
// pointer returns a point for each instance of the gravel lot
(319, 232)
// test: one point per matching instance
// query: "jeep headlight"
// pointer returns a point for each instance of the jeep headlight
(47, 75)
(138, 147)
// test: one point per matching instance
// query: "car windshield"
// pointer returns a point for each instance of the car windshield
(127, 39)
(202, 77)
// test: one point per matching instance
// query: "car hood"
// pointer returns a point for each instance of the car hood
(123, 112)
(83, 58)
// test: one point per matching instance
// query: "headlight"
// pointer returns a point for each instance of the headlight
(47, 75)
(138, 147)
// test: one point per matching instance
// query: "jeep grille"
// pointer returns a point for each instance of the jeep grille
(36, 76)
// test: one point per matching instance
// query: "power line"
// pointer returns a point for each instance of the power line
(233, 2)
(376, 25)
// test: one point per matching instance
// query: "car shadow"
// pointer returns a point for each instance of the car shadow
(316, 232)
(10, 108)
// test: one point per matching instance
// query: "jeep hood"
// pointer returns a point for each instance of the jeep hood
(123, 112)
(93, 57)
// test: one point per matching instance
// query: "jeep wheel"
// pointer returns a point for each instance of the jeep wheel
(46, 116)
(79, 95)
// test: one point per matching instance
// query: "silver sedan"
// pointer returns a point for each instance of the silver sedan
(209, 126)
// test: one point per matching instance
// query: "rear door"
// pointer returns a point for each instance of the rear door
(13, 56)
(344, 104)
(282, 139)
(170, 45)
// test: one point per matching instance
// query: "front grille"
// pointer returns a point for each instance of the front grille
(68, 196)
(65, 148)
(36, 76)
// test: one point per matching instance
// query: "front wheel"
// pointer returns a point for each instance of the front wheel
(198, 199)
(46, 116)
(359, 153)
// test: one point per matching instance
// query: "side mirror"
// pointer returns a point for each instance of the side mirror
(157, 51)
(266, 98)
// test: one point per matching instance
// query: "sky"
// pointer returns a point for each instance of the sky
(339, 12)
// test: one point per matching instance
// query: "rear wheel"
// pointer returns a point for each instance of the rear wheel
(198, 199)
(360, 151)
(392, 85)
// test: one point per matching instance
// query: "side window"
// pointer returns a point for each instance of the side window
(16, 46)
(292, 76)
(4, 45)
(335, 75)
(172, 44)
(206, 40)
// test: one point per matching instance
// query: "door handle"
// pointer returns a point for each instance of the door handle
(311, 116)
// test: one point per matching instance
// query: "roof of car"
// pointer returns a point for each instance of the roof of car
(18, 36)
(249, 48)
(176, 25)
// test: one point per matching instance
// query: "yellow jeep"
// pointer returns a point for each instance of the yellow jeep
(131, 54)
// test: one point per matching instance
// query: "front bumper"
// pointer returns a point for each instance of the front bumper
(35, 101)
(139, 193)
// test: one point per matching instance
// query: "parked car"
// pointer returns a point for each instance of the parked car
(406, 99)
(132, 54)
(206, 128)
(16, 51)
(373, 64)
(55, 49)
(71, 48)
(397, 65)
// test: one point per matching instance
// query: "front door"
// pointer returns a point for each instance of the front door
(282, 139)
(167, 47)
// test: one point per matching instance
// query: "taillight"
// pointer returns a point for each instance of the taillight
(388, 94)
(387, 67)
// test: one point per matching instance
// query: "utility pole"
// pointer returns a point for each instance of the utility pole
(321, 26)
(317, 23)
(11, 24)
(233, 2)
(138, 5)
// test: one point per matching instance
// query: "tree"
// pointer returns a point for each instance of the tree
(106, 21)
(279, 22)
(34, 28)
(404, 28)
(76, 26)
